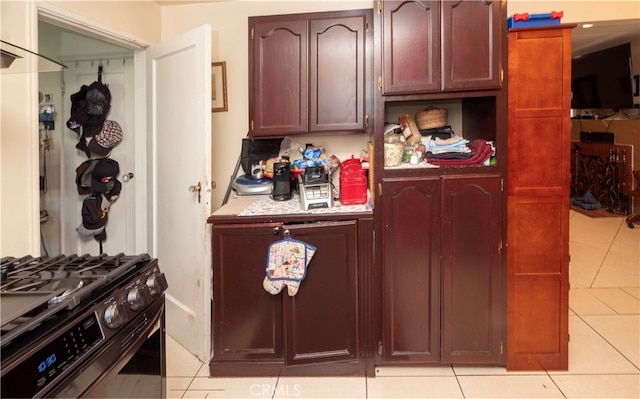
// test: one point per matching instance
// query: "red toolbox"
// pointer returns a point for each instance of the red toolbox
(353, 182)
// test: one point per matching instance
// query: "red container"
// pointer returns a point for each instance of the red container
(353, 183)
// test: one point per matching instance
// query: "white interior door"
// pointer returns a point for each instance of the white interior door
(179, 124)
(119, 76)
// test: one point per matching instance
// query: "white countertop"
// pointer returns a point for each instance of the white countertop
(266, 206)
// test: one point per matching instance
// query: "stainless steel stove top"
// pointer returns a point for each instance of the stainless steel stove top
(68, 320)
(34, 289)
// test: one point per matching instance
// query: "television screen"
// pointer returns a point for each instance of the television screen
(602, 79)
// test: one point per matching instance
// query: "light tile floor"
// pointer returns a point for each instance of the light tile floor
(604, 352)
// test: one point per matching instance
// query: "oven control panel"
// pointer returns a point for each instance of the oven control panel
(42, 366)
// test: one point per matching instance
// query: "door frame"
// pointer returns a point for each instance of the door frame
(77, 23)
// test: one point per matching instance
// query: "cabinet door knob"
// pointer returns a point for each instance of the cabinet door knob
(276, 230)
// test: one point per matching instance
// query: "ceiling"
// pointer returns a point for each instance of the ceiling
(604, 34)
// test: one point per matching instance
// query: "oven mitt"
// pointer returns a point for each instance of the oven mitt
(294, 285)
(287, 262)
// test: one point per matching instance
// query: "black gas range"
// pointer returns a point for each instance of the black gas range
(73, 325)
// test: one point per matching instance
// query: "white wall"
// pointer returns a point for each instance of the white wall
(137, 18)
(19, 176)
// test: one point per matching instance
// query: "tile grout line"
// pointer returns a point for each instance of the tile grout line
(556, 384)
(606, 340)
(458, 382)
(606, 253)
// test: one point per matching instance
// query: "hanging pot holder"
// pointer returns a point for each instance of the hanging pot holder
(287, 262)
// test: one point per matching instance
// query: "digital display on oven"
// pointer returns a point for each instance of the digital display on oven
(40, 368)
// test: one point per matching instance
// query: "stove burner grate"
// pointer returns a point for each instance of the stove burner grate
(35, 289)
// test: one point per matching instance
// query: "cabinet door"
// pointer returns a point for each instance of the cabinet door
(410, 46)
(410, 246)
(471, 44)
(247, 320)
(278, 69)
(473, 299)
(538, 199)
(338, 55)
(321, 320)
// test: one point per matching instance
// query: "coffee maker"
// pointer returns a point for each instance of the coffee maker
(281, 181)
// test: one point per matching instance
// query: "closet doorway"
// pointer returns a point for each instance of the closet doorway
(87, 60)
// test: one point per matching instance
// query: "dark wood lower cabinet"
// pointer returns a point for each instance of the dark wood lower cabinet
(318, 330)
(321, 320)
(473, 294)
(437, 296)
(442, 272)
(247, 321)
(411, 271)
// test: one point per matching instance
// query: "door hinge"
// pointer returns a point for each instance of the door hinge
(251, 124)
(366, 26)
(380, 83)
(501, 348)
(379, 7)
(501, 184)
(379, 189)
(366, 120)
(501, 76)
(380, 348)
(500, 247)
(253, 31)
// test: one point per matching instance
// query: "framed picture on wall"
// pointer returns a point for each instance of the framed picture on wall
(218, 86)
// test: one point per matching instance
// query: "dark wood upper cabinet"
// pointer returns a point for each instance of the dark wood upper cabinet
(411, 50)
(433, 46)
(279, 76)
(471, 44)
(309, 73)
(337, 84)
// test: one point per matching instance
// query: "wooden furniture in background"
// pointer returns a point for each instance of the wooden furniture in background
(539, 131)
(631, 219)
(605, 170)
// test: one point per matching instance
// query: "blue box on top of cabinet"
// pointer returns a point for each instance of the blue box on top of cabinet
(526, 20)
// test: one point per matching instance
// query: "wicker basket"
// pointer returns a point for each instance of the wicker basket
(431, 117)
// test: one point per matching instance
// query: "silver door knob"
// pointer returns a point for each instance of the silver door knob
(127, 176)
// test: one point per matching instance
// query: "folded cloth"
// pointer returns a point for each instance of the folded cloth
(463, 150)
(456, 145)
(481, 152)
(451, 140)
(450, 155)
